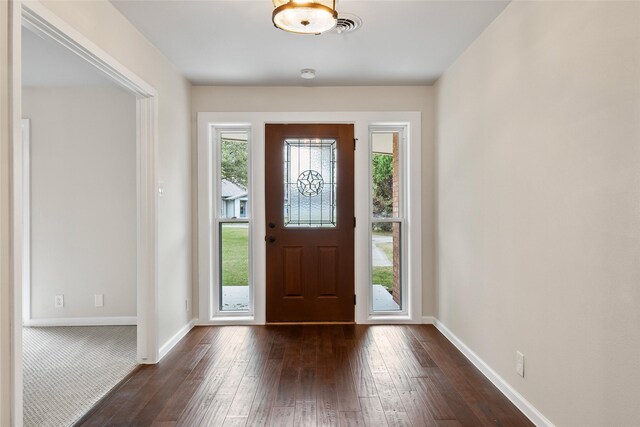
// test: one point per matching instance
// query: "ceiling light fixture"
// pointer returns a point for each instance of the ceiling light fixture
(305, 16)
(308, 73)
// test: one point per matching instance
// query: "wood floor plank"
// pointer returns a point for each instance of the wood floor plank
(462, 411)
(417, 411)
(345, 386)
(372, 412)
(289, 375)
(327, 406)
(448, 423)
(411, 364)
(419, 352)
(281, 416)
(309, 375)
(202, 399)
(243, 398)
(235, 422)
(351, 419)
(432, 396)
(233, 377)
(305, 414)
(181, 397)
(388, 393)
(306, 387)
(392, 362)
(397, 419)
(259, 355)
(163, 424)
(362, 376)
(216, 413)
(265, 394)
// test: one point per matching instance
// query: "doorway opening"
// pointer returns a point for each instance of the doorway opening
(129, 335)
(79, 222)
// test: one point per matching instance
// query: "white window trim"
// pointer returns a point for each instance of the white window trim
(362, 122)
(402, 131)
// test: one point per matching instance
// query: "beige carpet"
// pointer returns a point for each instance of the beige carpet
(68, 369)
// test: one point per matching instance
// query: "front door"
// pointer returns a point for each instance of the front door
(310, 222)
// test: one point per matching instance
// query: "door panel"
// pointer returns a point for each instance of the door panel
(292, 272)
(310, 227)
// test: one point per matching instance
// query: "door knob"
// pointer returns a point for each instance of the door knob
(271, 239)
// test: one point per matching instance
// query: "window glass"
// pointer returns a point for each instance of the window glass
(385, 182)
(233, 221)
(234, 174)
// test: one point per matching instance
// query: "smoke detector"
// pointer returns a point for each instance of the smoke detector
(347, 23)
(308, 73)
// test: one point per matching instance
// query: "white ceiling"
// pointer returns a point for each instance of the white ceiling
(46, 63)
(233, 42)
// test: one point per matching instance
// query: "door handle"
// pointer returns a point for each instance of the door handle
(271, 239)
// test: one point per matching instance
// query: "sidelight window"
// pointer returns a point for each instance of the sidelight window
(387, 220)
(232, 283)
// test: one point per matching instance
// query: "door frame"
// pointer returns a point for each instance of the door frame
(362, 121)
(41, 19)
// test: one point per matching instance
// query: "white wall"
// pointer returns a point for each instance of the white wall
(310, 99)
(6, 314)
(100, 22)
(83, 200)
(538, 145)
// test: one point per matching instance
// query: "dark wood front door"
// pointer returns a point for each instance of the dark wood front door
(309, 222)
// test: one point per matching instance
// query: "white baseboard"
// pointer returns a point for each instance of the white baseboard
(428, 320)
(81, 321)
(166, 347)
(516, 398)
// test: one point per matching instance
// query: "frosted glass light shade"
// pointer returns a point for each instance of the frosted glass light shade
(305, 16)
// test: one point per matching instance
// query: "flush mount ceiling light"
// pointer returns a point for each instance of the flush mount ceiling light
(305, 16)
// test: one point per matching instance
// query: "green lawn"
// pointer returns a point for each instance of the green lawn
(235, 249)
(384, 275)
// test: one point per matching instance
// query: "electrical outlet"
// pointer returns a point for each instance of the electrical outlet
(98, 300)
(520, 363)
(58, 301)
(186, 305)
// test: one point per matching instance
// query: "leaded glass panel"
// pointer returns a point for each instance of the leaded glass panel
(310, 183)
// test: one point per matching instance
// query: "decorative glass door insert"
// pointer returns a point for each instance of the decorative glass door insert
(310, 182)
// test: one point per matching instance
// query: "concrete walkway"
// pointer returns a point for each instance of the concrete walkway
(235, 298)
(382, 300)
(379, 257)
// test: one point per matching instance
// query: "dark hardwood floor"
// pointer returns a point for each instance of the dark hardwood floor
(309, 375)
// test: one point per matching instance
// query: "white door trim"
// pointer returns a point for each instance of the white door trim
(25, 154)
(362, 121)
(40, 19)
